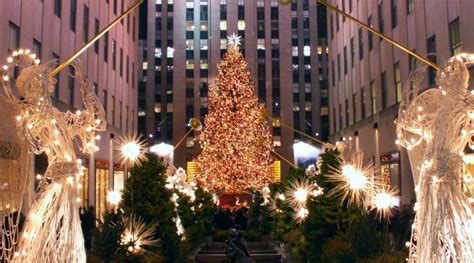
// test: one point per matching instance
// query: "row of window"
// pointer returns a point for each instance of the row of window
(393, 13)
(454, 40)
(397, 85)
(73, 18)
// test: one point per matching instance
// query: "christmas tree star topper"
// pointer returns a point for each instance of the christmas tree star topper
(234, 39)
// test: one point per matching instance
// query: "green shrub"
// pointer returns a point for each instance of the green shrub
(337, 250)
(145, 196)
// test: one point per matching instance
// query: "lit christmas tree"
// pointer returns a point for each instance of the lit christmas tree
(235, 141)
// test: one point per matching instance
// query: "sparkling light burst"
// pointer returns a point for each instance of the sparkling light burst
(384, 201)
(301, 214)
(132, 149)
(137, 235)
(353, 179)
(298, 193)
(234, 39)
(114, 197)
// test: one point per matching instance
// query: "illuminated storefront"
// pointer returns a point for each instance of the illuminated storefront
(390, 169)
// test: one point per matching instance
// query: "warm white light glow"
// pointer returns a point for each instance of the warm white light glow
(384, 201)
(352, 178)
(132, 149)
(301, 214)
(355, 177)
(137, 235)
(114, 197)
(301, 195)
(304, 151)
(162, 149)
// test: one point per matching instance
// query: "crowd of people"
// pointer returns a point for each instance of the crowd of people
(228, 217)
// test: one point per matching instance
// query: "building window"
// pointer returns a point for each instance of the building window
(127, 69)
(203, 12)
(241, 25)
(126, 119)
(411, 61)
(354, 107)
(72, 18)
(383, 78)
(340, 116)
(113, 110)
(431, 49)
(398, 82)
(410, 6)
(133, 75)
(120, 114)
(128, 24)
(274, 13)
(338, 66)
(276, 141)
(455, 37)
(373, 97)
(343, 10)
(381, 18)
(347, 112)
(332, 26)
(394, 11)
(345, 60)
(114, 53)
(371, 36)
(333, 73)
(56, 86)
(37, 48)
(121, 63)
(57, 7)
(352, 51)
(203, 44)
(241, 12)
(361, 43)
(70, 85)
(133, 29)
(223, 25)
(106, 49)
(96, 31)
(362, 103)
(86, 24)
(115, 7)
(106, 100)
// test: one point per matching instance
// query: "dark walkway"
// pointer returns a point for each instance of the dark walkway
(261, 252)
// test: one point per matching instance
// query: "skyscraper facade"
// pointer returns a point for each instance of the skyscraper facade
(284, 46)
(368, 74)
(54, 30)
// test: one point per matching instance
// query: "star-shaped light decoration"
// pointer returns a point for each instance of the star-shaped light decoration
(234, 39)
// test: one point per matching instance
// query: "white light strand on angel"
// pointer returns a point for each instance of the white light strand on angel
(435, 126)
(52, 230)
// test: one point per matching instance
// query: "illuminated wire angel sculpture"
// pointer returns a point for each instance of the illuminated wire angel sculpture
(435, 126)
(52, 230)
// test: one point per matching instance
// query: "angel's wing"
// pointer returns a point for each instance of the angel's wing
(16, 176)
